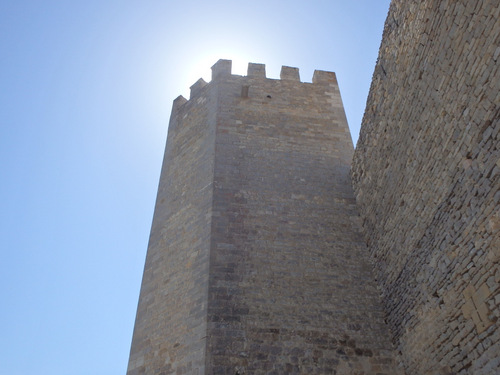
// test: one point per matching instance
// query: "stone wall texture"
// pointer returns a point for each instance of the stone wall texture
(171, 323)
(291, 289)
(426, 175)
(256, 262)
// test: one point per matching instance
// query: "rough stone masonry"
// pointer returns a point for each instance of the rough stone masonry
(426, 172)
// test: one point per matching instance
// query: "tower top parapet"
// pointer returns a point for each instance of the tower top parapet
(289, 73)
(197, 86)
(256, 70)
(222, 69)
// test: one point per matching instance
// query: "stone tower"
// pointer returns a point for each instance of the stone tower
(256, 264)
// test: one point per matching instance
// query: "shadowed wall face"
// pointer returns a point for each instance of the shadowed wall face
(426, 176)
(290, 288)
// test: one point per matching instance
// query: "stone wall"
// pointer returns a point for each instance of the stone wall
(170, 329)
(426, 177)
(291, 289)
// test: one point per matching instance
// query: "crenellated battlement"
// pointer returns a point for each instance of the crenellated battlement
(196, 87)
(289, 74)
(256, 70)
(222, 69)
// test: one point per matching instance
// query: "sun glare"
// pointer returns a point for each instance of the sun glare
(201, 67)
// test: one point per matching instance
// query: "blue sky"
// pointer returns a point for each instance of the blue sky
(86, 89)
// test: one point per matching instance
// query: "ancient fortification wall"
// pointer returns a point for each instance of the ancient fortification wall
(426, 173)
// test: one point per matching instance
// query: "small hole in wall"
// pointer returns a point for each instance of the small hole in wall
(244, 91)
(269, 96)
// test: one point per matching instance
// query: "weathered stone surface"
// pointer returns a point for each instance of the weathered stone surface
(290, 287)
(426, 178)
(171, 324)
